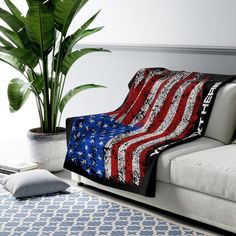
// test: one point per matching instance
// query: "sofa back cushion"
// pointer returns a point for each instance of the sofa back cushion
(222, 122)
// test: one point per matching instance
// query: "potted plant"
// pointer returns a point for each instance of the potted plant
(39, 47)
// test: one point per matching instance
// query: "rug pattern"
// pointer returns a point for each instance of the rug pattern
(79, 213)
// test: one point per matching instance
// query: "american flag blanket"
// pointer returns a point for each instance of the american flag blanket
(163, 108)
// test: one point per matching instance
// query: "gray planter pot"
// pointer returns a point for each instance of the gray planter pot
(47, 150)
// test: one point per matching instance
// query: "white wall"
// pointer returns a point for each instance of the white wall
(181, 22)
(13, 124)
(116, 69)
(197, 22)
(188, 22)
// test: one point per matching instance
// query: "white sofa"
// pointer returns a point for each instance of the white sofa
(198, 179)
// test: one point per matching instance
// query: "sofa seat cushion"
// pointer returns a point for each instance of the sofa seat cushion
(164, 160)
(211, 171)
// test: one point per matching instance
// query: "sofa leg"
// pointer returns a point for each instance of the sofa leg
(75, 177)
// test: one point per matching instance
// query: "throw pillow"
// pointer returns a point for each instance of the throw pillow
(33, 183)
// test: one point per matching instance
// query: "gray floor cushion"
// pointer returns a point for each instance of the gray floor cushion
(33, 183)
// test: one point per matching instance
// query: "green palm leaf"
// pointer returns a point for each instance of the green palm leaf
(71, 58)
(15, 11)
(5, 43)
(88, 32)
(71, 40)
(11, 20)
(64, 12)
(24, 56)
(29, 2)
(12, 36)
(75, 91)
(18, 92)
(16, 25)
(36, 80)
(38, 84)
(40, 28)
(27, 41)
(48, 3)
(89, 21)
(11, 60)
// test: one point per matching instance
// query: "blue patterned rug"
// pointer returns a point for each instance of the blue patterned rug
(80, 213)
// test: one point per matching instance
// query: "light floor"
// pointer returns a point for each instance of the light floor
(65, 175)
(182, 220)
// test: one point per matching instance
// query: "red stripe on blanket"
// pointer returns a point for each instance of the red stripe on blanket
(191, 124)
(157, 122)
(171, 128)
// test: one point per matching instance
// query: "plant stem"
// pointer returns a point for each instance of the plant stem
(55, 86)
(38, 99)
(59, 119)
(47, 116)
(62, 84)
(40, 113)
(52, 88)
